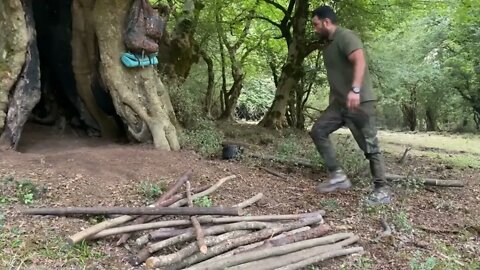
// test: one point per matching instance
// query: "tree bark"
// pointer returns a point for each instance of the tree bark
(219, 229)
(165, 260)
(196, 225)
(292, 70)
(26, 92)
(14, 40)
(144, 254)
(282, 250)
(211, 83)
(85, 58)
(300, 236)
(322, 257)
(302, 255)
(179, 51)
(429, 181)
(431, 119)
(248, 239)
(204, 219)
(229, 211)
(139, 96)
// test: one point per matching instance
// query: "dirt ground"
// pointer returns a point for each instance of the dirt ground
(432, 226)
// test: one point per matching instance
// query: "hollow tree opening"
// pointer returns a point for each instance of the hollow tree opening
(83, 79)
(61, 101)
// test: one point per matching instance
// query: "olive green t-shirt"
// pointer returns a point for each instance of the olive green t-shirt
(340, 69)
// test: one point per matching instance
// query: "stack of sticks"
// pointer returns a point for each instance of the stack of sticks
(218, 237)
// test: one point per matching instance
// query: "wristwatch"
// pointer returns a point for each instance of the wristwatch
(356, 89)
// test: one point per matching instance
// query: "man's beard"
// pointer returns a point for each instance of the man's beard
(323, 35)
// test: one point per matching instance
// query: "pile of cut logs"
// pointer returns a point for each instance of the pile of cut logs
(214, 237)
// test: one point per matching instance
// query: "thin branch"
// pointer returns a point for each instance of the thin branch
(278, 6)
(268, 20)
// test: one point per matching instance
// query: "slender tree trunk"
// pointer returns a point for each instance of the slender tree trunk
(211, 81)
(431, 119)
(236, 61)
(409, 116)
(22, 87)
(292, 70)
(233, 94)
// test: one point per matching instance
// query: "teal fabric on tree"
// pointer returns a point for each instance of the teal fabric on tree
(131, 60)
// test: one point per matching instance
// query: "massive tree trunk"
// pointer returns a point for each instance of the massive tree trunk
(19, 69)
(139, 95)
(292, 70)
(13, 45)
(85, 58)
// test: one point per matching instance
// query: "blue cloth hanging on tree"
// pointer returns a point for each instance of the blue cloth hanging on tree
(131, 60)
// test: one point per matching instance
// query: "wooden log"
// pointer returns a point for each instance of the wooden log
(248, 239)
(102, 229)
(250, 202)
(186, 222)
(429, 181)
(294, 161)
(165, 260)
(196, 225)
(254, 255)
(176, 198)
(182, 211)
(159, 234)
(174, 201)
(144, 254)
(171, 191)
(273, 172)
(210, 231)
(322, 257)
(141, 241)
(315, 232)
(254, 245)
(294, 257)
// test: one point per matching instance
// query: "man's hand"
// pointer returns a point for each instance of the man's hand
(353, 101)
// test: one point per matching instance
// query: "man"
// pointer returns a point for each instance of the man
(352, 103)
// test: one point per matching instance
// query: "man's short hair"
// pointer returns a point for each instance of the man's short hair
(325, 12)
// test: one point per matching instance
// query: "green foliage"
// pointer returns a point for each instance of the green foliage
(257, 95)
(204, 201)
(350, 156)
(23, 191)
(418, 264)
(402, 222)
(204, 137)
(151, 190)
(188, 99)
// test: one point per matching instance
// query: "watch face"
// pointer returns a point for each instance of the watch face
(356, 89)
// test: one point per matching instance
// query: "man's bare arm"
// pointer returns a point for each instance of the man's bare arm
(358, 60)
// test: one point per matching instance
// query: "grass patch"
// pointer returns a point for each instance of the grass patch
(204, 138)
(151, 190)
(22, 191)
(457, 160)
(204, 201)
(330, 204)
(19, 251)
